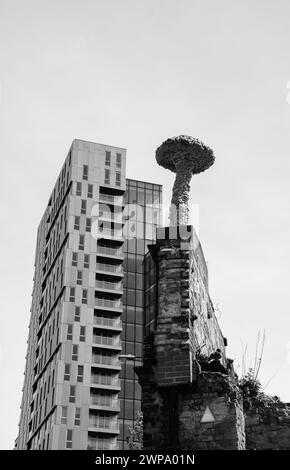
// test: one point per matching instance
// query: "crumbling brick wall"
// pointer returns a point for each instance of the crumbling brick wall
(185, 310)
(268, 427)
(173, 415)
(176, 397)
(219, 395)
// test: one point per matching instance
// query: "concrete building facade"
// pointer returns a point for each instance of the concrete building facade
(71, 392)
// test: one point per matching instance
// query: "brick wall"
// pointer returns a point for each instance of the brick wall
(215, 398)
(185, 317)
(268, 427)
(183, 408)
(174, 396)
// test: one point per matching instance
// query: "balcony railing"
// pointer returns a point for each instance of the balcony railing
(111, 425)
(115, 217)
(109, 285)
(112, 234)
(106, 321)
(95, 445)
(109, 268)
(106, 360)
(107, 340)
(106, 250)
(117, 200)
(105, 402)
(109, 303)
(106, 380)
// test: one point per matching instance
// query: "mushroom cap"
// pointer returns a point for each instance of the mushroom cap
(184, 149)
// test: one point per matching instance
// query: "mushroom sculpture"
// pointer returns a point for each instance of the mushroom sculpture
(185, 156)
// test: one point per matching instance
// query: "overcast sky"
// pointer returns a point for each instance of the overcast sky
(132, 73)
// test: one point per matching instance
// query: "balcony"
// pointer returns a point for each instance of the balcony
(112, 217)
(99, 402)
(106, 362)
(109, 304)
(110, 234)
(107, 342)
(110, 251)
(99, 424)
(116, 270)
(96, 445)
(105, 382)
(112, 200)
(108, 323)
(116, 287)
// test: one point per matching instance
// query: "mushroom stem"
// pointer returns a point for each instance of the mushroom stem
(179, 211)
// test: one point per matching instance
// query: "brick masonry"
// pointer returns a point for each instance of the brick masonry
(184, 407)
(268, 427)
(219, 395)
(174, 394)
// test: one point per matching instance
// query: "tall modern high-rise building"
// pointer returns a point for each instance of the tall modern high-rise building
(88, 304)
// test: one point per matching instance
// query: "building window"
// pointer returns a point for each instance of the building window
(85, 172)
(74, 259)
(82, 242)
(77, 417)
(79, 189)
(69, 437)
(118, 160)
(108, 158)
(102, 399)
(52, 397)
(88, 225)
(77, 222)
(85, 296)
(99, 443)
(87, 261)
(80, 375)
(103, 358)
(107, 176)
(83, 333)
(79, 278)
(90, 190)
(102, 421)
(72, 294)
(64, 415)
(69, 332)
(66, 372)
(83, 206)
(118, 178)
(75, 349)
(77, 313)
(72, 394)
(104, 338)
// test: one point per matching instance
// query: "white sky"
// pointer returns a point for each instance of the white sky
(132, 73)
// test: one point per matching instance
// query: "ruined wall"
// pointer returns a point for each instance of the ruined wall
(205, 415)
(174, 395)
(211, 414)
(268, 427)
(207, 335)
(185, 310)
(184, 407)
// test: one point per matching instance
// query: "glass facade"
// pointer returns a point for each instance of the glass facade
(142, 214)
(150, 289)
